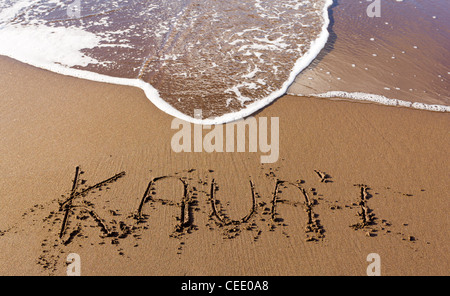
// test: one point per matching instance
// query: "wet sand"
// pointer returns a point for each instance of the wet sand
(389, 164)
(401, 55)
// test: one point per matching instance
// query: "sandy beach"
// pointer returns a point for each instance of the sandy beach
(336, 159)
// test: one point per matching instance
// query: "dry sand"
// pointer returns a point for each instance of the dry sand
(52, 124)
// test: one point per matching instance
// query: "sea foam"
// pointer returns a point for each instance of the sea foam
(35, 32)
(162, 44)
(379, 99)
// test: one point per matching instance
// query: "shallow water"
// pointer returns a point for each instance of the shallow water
(218, 56)
(402, 55)
(232, 58)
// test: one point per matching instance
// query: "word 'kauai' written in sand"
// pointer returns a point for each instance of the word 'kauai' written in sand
(290, 210)
(218, 141)
(76, 207)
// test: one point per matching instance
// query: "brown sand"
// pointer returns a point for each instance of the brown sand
(51, 124)
(401, 55)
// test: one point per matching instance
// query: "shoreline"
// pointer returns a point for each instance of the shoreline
(376, 99)
(323, 72)
(388, 59)
(153, 94)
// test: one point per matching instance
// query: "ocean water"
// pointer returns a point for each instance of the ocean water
(227, 58)
(400, 58)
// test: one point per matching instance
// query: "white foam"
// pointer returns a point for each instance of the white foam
(380, 100)
(36, 45)
(58, 49)
(23, 47)
(303, 62)
(9, 13)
